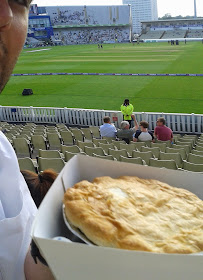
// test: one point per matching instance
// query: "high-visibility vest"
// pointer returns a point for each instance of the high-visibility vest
(127, 111)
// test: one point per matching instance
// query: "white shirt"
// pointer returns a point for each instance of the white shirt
(108, 130)
(17, 211)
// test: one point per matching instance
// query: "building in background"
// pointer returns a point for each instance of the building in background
(80, 24)
(142, 10)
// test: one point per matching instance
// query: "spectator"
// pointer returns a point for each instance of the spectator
(39, 184)
(126, 133)
(143, 134)
(107, 129)
(162, 132)
(127, 111)
(17, 209)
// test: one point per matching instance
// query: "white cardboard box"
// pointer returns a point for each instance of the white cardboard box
(76, 261)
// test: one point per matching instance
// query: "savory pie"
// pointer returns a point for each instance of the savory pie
(136, 214)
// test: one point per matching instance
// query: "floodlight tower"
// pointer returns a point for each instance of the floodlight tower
(195, 9)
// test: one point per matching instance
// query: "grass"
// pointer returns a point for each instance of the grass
(149, 94)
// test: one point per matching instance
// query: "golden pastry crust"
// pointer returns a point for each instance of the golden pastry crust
(136, 214)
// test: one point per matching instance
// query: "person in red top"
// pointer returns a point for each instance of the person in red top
(162, 132)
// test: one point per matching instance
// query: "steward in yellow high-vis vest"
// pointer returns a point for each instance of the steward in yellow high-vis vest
(127, 110)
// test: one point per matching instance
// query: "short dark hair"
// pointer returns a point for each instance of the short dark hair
(144, 124)
(106, 119)
(162, 120)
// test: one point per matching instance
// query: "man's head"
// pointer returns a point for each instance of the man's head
(125, 125)
(13, 31)
(161, 121)
(106, 119)
(126, 102)
(143, 125)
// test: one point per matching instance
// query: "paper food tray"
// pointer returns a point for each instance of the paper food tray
(82, 261)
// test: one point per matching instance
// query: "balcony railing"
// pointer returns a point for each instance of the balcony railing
(179, 123)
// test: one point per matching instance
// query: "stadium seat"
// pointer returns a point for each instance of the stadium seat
(69, 155)
(67, 137)
(183, 143)
(61, 126)
(174, 156)
(72, 149)
(155, 151)
(176, 137)
(117, 153)
(169, 164)
(117, 143)
(106, 147)
(109, 139)
(38, 142)
(95, 131)
(22, 147)
(56, 164)
(54, 141)
(198, 153)
(51, 130)
(199, 144)
(27, 164)
(108, 157)
(78, 135)
(23, 135)
(186, 140)
(137, 160)
(185, 147)
(82, 145)
(192, 167)
(128, 147)
(143, 155)
(197, 159)
(97, 141)
(161, 146)
(49, 154)
(194, 137)
(138, 145)
(199, 141)
(198, 148)
(168, 143)
(10, 136)
(87, 133)
(181, 151)
(90, 151)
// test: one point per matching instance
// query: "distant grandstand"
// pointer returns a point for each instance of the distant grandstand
(80, 24)
(181, 29)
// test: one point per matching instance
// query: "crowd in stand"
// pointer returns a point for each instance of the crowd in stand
(161, 132)
(92, 35)
(129, 133)
(88, 15)
(64, 17)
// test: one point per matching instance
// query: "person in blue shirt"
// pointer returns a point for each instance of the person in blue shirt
(107, 129)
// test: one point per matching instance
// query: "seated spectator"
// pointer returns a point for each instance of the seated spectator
(39, 184)
(107, 129)
(143, 134)
(126, 133)
(162, 132)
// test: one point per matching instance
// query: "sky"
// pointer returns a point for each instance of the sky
(173, 7)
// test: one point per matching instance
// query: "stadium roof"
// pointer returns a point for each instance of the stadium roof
(172, 20)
